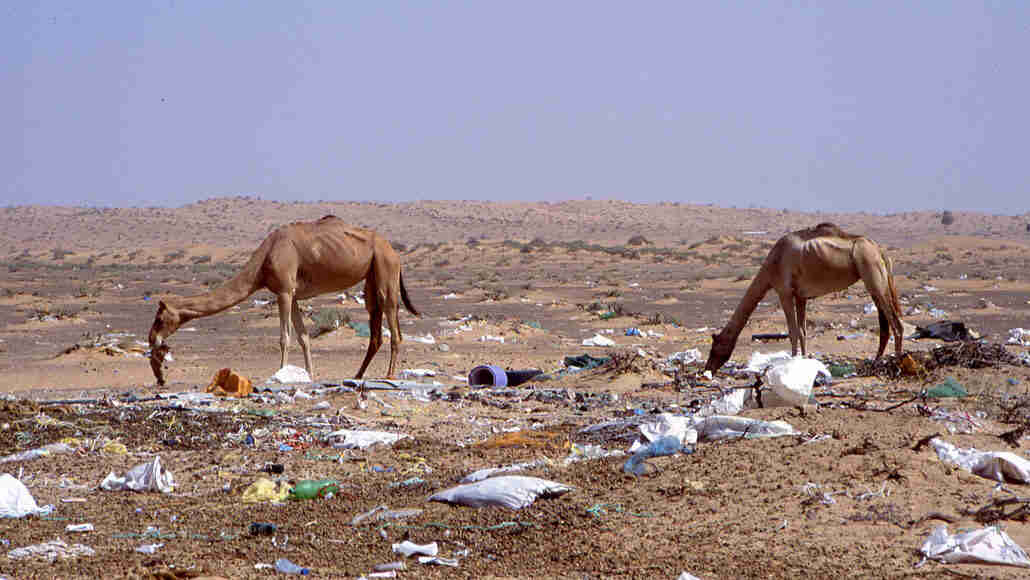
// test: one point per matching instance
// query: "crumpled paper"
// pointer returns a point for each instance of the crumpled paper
(144, 477)
(988, 545)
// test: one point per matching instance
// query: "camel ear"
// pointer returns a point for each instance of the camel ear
(161, 306)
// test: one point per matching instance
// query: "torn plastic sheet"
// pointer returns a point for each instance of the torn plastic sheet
(760, 361)
(791, 381)
(720, 427)
(363, 439)
(482, 474)
(16, 501)
(999, 466)
(987, 545)
(510, 491)
(149, 476)
(667, 424)
(598, 340)
(409, 548)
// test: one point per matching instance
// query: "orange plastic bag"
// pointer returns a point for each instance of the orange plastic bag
(227, 383)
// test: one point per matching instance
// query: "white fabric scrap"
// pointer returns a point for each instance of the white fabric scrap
(510, 491)
(995, 465)
(409, 548)
(151, 476)
(718, 427)
(16, 501)
(987, 545)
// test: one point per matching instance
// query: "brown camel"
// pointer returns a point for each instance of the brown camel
(295, 262)
(807, 264)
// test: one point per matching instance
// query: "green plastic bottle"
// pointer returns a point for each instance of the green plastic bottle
(312, 488)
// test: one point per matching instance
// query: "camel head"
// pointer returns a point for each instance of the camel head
(166, 322)
(722, 348)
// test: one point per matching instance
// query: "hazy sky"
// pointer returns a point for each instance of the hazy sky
(864, 105)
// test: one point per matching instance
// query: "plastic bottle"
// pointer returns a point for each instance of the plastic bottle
(312, 488)
(287, 567)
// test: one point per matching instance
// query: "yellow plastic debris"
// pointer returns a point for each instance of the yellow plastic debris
(265, 489)
(115, 448)
(227, 383)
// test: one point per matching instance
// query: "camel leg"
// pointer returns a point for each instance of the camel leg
(875, 276)
(800, 305)
(285, 300)
(787, 304)
(375, 324)
(302, 337)
(390, 307)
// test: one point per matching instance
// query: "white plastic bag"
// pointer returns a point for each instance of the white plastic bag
(363, 439)
(150, 476)
(720, 427)
(988, 545)
(997, 465)
(510, 491)
(668, 424)
(409, 548)
(290, 374)
(791, 381)
(16, 501)
(598, 340)
(760, 361)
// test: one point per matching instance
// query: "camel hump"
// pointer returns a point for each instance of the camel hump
(328, 217)
(823, 230)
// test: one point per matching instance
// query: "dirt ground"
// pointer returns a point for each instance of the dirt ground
(854, 494)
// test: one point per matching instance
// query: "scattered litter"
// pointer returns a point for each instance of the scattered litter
(44, 451)
(363, 439)
(149, 548)
(1000, 466)
(1020, 336)
(409, 548)
(510, 491)
(50, 551)
(584, 362)
(79, 528)
(955, 421)
(491, 338)
(322, 406)
(760, 361)
(666, 425)
(791, 381)
(493, 375)
(719, 427)
(16, 501)
(987, 545)
(598, 340)
(666, 445)
(632, 332)
(427, 339)
(439, 561)
(149, 476)
(312, 488)
(945, 330)
(285, 566)
(418, 373)
(265, 489)
(482, 474)
(949, 388)
(685, 357)
(588, 451)
(290, 374)
(686, 575)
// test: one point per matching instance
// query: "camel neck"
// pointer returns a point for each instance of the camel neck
(754, 294)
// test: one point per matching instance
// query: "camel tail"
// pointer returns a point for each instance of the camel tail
(895, 303)
(406, 298)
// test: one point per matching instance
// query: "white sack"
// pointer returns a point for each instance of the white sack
(791, 381)
(16, 501)
(290, 374)
(720, 427)
(510, 491)
(144, 477)
(482, 474)
(996, 465)
(760, 361)
(987, 545)
(668, 424)
(598, 340)
(364, 439)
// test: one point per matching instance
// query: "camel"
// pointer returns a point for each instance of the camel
(807, 264)
(295, 262)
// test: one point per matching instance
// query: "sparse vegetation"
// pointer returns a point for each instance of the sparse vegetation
(326, 320)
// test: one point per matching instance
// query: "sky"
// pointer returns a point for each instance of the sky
(877, 106)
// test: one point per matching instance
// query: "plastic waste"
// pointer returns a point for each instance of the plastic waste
(841, 370)
(1020, 336)
(598, 340)
(632, 331)
(149, 476)
(493, 375)
(149, 548)
(409, 548)
(16, 501)
(589, 451)
(791, 381)
(363, 439)
(685, 357)
(667, 424)
(510, 491)
(453, 562)
(290, 374)
(284, 566)
(312, 488)
(760, 361)
(987, 545)
(262, 529)
(482, 474)
(51, 449)
(718, 427)
(949, 388)
(945, 330)
(1000, 466)
(398, 565)
(51, 551)
(666, 445)
(265, 489)
(687, 576)
(79, 528)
